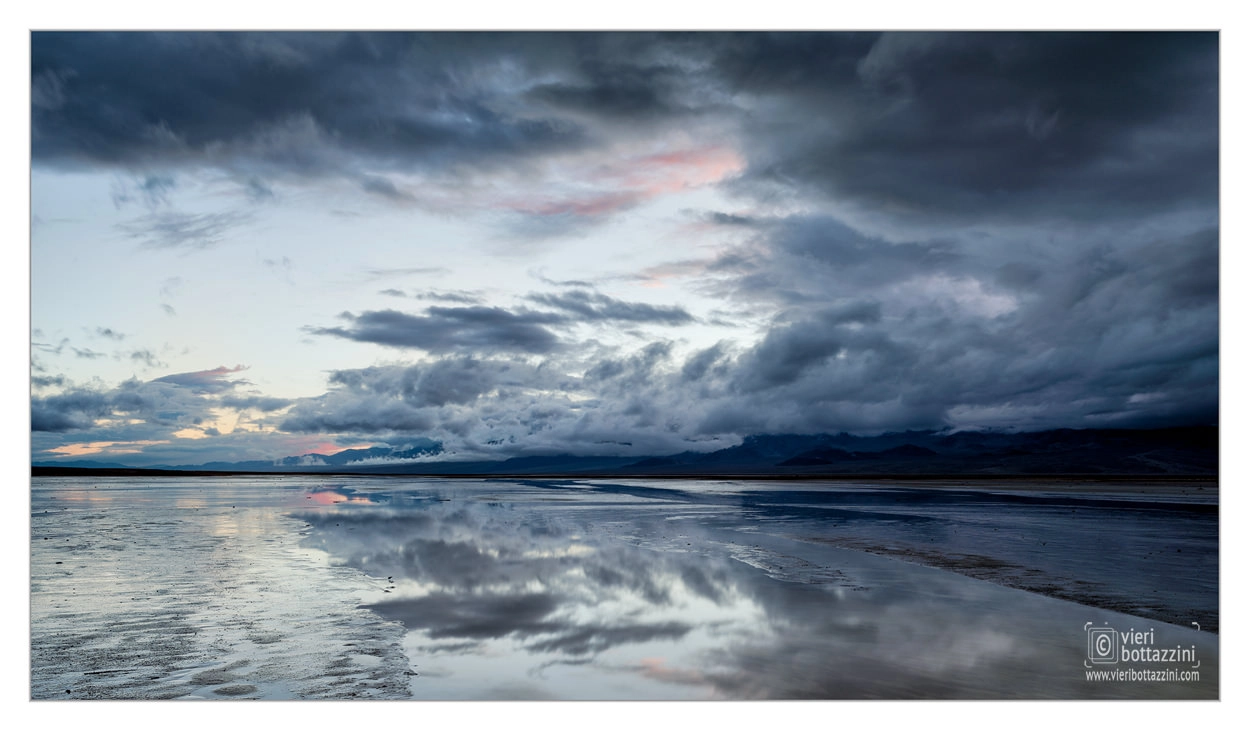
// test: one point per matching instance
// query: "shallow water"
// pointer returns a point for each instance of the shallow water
(304, 587)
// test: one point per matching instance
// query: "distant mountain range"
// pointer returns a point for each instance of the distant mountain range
(1172, 451)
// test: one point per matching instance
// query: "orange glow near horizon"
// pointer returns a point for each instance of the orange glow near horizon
(78, 450)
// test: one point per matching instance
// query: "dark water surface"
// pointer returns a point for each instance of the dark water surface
(307, 587)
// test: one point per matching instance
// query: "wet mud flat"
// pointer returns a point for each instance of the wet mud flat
(191, 590)
(1151, 550)
(305, 587)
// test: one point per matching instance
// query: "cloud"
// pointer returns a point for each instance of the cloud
(700, 364)
(415, 398)
(334, 414)
(937, 127)
(962, 127)
(1083, 354)
(594, 307)
(460, 297)
(473, 617)
(210, 381)
(170, 229)
(147, 357)
(262, 403)
(333, 101)
(486, 575)
(37, 381)
(382, 186)
(71, 410)
(620, 90)
(444, 329)
(186, 418)
(53, 349)
(47, 89)
(950, 230)
(151, 190)
(448, 381)
(594, 639)
(548, 134)
(173, 400)
(257, 191)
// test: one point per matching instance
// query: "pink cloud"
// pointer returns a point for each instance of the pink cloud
(623, 184)
(211, 381)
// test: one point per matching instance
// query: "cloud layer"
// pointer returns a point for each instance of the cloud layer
(909, 230)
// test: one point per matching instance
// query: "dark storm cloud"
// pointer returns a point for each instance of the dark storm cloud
(959, 126)
(809, 260)
(406, 398)
(625, 88)
(870, 261)
(76, 409)
(287, 103)
(1015, 230)
(785, 354)
(1121, 336)
(1117, 329)
(701, 362)
(634, 370)
(444, 329)
(356, 415)
(593, 307)
(448, 381)
(177, 400)
(987, 126)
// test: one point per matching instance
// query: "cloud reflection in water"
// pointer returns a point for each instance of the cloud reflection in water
(507, 593)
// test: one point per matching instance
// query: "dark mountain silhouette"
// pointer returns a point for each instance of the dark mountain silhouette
(1161, 452)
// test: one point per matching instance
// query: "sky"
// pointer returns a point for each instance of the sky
(256, 245)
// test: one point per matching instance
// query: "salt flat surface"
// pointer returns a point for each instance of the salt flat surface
(308, 587)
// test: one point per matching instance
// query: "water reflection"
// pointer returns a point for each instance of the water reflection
(336, 495)
(628, 593)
